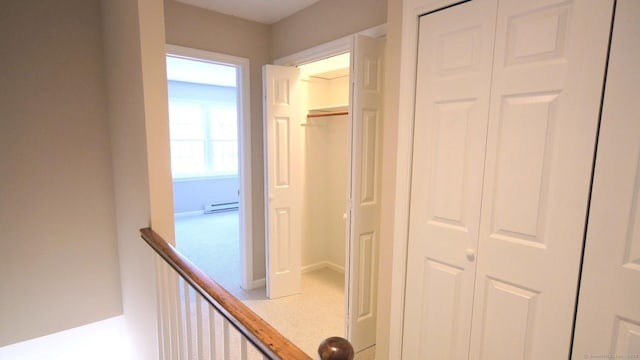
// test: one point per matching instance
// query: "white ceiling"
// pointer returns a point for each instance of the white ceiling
(200, 72)
(329, 68)
(263, 11)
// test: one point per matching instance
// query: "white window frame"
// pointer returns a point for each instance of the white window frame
(208, 141)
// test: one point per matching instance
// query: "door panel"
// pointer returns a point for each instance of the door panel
(452, 105)
(366, 109)
(545, 99)
(608, 320)
(507, 327)
(283, 180)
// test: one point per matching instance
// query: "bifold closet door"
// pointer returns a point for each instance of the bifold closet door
(366, 156)
(283, 189)
(519, 205)
(548, 70)
(608, 319)
(452, 105)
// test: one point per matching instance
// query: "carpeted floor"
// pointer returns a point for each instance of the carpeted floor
(211, 242)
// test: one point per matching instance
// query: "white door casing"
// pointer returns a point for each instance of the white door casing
(548, 71)
(452, 104)
(245, 191)
(608, 318)
(283, 193)
(283, 180)
(367, 64)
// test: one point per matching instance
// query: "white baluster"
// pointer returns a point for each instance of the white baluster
(173, 314)
(225, 337)
(187, 314)
(199, 329)
(212, 333)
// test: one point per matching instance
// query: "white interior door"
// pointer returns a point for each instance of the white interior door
(283, 188)
(608, 320)
(452, 104)
(548, 71)
(366, 155)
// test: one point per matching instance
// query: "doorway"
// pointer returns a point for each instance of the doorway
(209, 120)
(298, 179)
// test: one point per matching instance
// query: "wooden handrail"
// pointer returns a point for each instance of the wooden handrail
(262, 335)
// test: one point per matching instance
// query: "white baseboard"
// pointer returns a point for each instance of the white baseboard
(335, 267)
(305, 269)
(257, 284)
(321, 265)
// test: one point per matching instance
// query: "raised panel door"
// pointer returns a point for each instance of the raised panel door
(366, 155)
(451, 113)
(283, 188)
(548, 72)
(608, 316)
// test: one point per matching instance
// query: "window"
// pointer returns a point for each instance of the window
(204, 141)
(203, 118)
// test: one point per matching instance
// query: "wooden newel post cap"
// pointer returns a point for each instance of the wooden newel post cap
(335, 348)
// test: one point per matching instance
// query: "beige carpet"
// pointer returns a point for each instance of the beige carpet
(211, 242)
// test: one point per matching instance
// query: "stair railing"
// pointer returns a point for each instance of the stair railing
(200, 319)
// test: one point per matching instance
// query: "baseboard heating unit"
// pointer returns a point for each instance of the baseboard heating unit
(227, 206)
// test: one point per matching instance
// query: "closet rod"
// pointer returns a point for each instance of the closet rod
(328, 113)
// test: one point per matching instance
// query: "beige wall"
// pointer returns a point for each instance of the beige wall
(324, 21)
(57, 211)
(207, 30)
(392, 97)
(58, 250)
(131, 47)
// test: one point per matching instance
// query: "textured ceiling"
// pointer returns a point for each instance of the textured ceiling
(263, 11)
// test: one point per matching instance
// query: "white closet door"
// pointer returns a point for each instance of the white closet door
(283, 190)
(452, 103)
(366, 109)
(545, 99)
(608, 321)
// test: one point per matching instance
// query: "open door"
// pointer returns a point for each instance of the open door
(282, 114)
(366, 109)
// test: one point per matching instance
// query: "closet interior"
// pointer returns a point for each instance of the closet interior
(322, 144)
(326, 154)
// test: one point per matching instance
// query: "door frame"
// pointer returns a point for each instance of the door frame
(244, 146)
(411, 12)
(316, 53)
(328, 49)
